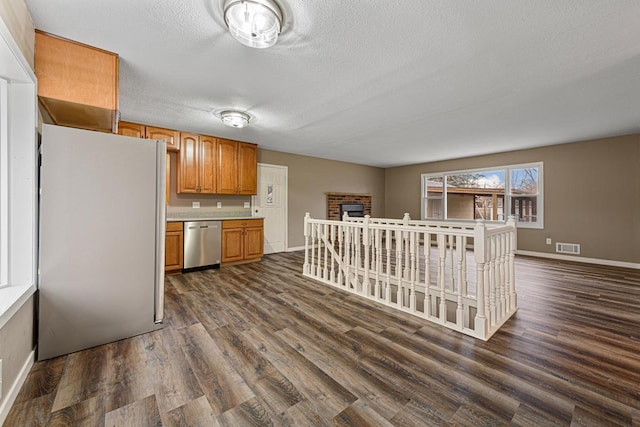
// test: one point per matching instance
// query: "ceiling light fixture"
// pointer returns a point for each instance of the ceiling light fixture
(254, 23)
(235, 119)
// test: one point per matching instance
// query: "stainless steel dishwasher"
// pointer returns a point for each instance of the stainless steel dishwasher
(202, 244)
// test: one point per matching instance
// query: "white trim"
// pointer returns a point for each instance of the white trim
(585, 260)
(295, 249)
(11, 395)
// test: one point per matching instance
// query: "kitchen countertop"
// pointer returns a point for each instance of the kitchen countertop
(212, 218)
(176, 214)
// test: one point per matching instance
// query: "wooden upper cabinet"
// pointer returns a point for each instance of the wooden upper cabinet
(188, 164)
(247, 168)
(197, 164)
(78, 84)
(131, 129)
(171, 136)
(227, 167)
(237, 167)
(208, 151)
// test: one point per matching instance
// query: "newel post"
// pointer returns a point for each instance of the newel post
(305, 266)
(512, 239)
(479, 252)
(345, 216)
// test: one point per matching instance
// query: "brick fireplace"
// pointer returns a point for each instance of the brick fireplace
(334, 200)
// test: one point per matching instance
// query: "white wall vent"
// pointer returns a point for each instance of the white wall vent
(568, 248)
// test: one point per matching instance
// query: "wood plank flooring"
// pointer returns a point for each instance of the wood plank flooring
(259, 345)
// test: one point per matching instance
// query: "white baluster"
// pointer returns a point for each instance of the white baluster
(332, 273)
(405, 238)
(347, 261)
(427, 275)
(412, 295)
(387, 287)
(378, 250)
(442, 253)
(451, 284)
(513, 245)
(460, 308)
(305, 266)
(366, 241)
(501, 273)
(356, 285)
(491, 268)
(313, 248)
(399, 272)
(341, 259)
(325, 238)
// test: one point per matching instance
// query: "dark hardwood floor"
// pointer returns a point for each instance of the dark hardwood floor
(261, 345)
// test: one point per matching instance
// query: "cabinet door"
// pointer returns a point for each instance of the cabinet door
(188, 164)
(232, 242)
(253, 242)
(227, 167)
(207, 156)
(131, 129)
(247, 168)
(171, 136)
(173, 251)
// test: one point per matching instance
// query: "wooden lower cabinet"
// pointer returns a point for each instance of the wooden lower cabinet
(242, 240)
(173, 249)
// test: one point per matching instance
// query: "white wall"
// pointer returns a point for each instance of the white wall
(16, 335)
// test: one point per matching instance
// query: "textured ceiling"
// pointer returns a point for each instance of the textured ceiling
(376, 82)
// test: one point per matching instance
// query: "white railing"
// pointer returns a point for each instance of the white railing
(462, 278)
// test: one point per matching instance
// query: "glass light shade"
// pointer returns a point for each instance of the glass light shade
(254, 23)
(235, 119)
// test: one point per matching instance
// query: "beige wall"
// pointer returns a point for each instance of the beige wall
(16, 336)
(591, 194)
(310, 178)
(16, 343)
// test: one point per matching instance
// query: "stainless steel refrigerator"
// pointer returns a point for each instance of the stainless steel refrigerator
(102, 223)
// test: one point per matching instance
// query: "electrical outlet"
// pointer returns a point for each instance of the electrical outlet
(247, 205)
(548, 240)
(195, 205)
(219, 205)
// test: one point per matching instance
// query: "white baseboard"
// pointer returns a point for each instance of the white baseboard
(598, 261)
(12, 393)
(297, 248)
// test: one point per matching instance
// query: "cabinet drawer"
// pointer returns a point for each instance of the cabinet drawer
(174, 226)
(239, 223)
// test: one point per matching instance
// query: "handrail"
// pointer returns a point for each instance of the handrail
(387, 260)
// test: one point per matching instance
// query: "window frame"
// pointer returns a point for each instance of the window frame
(507, 169)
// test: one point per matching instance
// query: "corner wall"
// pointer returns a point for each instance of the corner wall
(310, 178)
(591, 194)
(16, 336)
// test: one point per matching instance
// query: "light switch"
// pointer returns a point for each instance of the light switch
(195, 205)
(219, 205)
(247, 205)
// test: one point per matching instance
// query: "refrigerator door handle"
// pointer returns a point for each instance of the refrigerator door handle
(161, 217)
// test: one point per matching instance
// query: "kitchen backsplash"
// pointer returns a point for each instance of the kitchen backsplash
(178, 212)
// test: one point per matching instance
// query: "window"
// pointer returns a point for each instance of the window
(18, 178)
(491, 194)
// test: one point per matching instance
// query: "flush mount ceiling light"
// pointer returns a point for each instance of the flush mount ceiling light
(235, 119)
(254, 23)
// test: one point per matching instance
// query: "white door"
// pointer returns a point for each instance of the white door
(271, 203)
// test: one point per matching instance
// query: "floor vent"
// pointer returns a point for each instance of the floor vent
(568, 248)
